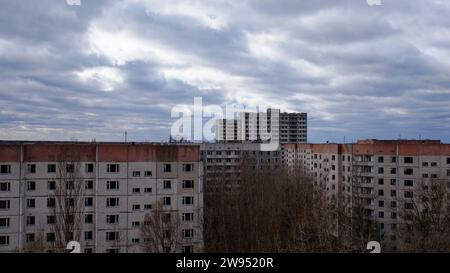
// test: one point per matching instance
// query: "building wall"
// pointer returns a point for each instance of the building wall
(382, 166)
(271, 125)
(141, 168)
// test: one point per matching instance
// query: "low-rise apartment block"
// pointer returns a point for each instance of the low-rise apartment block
(385, 174)
(121, 184)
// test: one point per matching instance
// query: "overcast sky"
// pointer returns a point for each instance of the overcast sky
(105, 67)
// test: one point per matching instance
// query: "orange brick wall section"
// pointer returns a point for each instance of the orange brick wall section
(430, 148)
(54, 152)
(9, 153)
(58, 152)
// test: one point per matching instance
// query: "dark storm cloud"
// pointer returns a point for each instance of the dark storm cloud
(105, 67)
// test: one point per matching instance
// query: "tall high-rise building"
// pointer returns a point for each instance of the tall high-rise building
(119, 185)
(263, 127)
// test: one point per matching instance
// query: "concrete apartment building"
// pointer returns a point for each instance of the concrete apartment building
(261, 127)
(122, 183)
(221, 159)
(386, 173)
(293, 128)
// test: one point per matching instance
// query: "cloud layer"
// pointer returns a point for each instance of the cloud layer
(105, 67)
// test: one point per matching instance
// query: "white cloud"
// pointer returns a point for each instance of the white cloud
(107, 78)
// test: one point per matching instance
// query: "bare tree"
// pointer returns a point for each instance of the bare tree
(425, 225)
(263, 208)
(161, 230)
(68, 201)
(362, 224)
(38, 244)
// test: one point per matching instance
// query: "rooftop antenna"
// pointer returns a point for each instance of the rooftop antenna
(126, 136)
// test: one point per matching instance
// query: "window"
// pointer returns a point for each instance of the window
(408, 160)
(112, 236)
(393, 193)
(136, 207)
(51, 202)
(187, 217)
(147, 206)
(135, 240)
(51, 219)
(381, 203)
(5, 186)
(424, 164)
(88, 202)
(380, 159)
(4, 240)
(380, 192)
(31, 203)
(112, 202)
(380, 181)
(409, 183)
(188, 184)
(70, 202)
(5, 204)
(51, 237)
(393, 204)
(393, 170)
(88, 219)
(188, 168)
(89, 167)
(112, 168)
(167, 168)
(136, 190)
(393, 182)
(31, 220)
(88, 250)
(448, 172)
(88, 235)
(448, 160)
(188, 233)
(136, 174)
(166, 201)
(5, 169)
(112, 185)
(88, 184)
(148, 190)
(424, 175)
(70, 168)
(380, 214)
(187, 249)
(51, 168)
(135, 224)
(148, 173)
(31, 168)
(30, 237)
(408, 171)
(51, 185)
(31, 186)
(393, 215)
(433, 164)
(167, 184)
(70, 185)
(188, 200)
(408, 194)
(4, 222)
(112, 219)
(113, 250)
(380, 170)
(409, 205)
